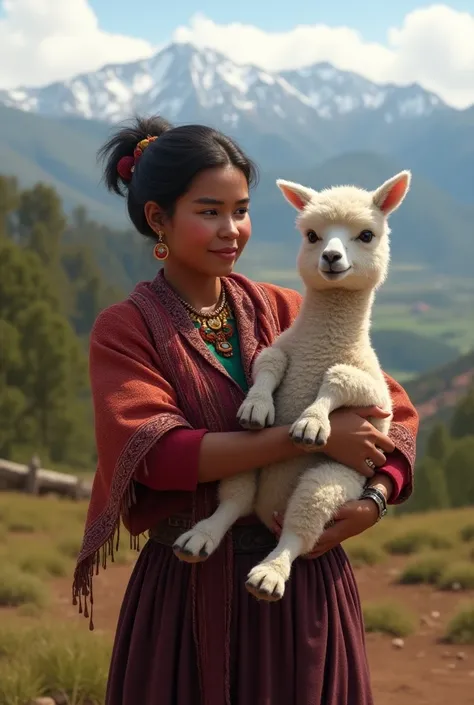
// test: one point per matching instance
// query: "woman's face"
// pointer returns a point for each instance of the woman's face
(211, 224)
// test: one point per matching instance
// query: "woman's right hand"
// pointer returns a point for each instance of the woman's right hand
(353, 439)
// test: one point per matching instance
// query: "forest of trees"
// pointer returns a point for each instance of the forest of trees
(56, 275)
(50, 295)
(444, 475)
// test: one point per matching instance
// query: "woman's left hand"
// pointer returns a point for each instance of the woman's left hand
(352, 519)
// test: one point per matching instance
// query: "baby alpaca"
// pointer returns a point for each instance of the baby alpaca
(322, 362)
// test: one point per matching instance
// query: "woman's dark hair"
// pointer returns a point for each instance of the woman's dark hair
(168, 165)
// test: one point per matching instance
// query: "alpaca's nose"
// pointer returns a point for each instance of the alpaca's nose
(332, 256)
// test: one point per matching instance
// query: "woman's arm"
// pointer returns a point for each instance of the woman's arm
(384, 483)
(183, 458)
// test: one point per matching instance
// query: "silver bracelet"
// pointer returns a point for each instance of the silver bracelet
(378, 497)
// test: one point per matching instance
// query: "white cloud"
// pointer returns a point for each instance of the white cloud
(434, 47)
(47, 40)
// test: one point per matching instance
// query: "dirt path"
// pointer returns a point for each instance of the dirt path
(423, 672)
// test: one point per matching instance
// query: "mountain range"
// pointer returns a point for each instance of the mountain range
(181, 81)
(317, 125)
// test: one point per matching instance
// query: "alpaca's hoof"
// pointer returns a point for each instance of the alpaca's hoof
(265, 583)
(311, 431)
(257, 414)
(195, 546)
(187, 556)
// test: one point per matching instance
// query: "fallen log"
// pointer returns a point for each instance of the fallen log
(33, 479)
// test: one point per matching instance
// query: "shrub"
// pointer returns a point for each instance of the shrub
(427, 569)
(21, 526)
(388, 618)
(363, 553)
(461, 574)
(26, 513)
(42, 562)
(69, 546)
(18, 588)
(467, 532)
(29, 610)
(125, 556)
(416, 540)
(460, 629)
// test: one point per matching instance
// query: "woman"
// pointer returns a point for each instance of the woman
(169, 369)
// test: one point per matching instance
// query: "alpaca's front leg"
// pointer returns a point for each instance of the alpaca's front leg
(343, 385)
(258, 410)
(320, 492)
(236, 499)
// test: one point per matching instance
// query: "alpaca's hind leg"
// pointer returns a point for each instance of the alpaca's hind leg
(319, 494)
(236, 499)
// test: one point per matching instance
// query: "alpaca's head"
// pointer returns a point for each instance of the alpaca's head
(345, 232)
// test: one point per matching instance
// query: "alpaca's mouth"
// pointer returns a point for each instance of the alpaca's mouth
(334, 273)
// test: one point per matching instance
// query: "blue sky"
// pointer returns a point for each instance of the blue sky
(156, 21)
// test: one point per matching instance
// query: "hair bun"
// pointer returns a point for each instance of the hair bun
(123, 150)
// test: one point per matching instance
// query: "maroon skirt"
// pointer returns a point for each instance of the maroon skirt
(307, 649)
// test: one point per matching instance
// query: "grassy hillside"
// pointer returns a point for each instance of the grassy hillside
(437, 392)
(454, 377)
(432, 231)
(35, 149)
(422, 317)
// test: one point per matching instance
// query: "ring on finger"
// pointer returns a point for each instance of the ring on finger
(370, 463)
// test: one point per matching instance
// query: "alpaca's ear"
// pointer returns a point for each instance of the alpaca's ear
(296, 194)
(390, 195)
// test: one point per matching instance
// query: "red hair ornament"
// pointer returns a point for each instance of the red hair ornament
(126, 165)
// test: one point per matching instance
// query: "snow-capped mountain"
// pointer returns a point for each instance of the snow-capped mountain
(184, 83)
(332, 92)
(286, 121)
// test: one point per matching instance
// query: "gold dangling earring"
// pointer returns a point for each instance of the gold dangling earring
(161, 249)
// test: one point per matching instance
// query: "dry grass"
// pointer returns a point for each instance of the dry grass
(446, 524)
(40, 539)
(44, 659)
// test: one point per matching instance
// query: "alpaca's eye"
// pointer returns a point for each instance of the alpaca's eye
(312, 236)
(366, 236)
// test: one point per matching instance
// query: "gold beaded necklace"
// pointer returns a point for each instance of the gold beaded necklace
(214, 327)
